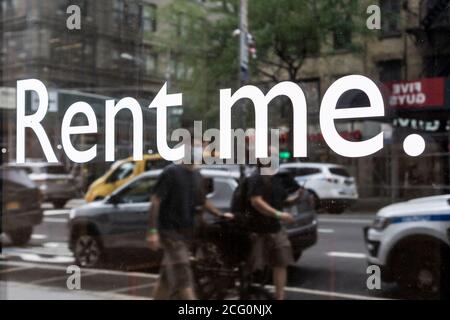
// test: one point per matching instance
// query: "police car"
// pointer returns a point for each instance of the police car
(410, 242)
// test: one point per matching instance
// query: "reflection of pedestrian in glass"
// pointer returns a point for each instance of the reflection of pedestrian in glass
(178, 195)
(271, 247)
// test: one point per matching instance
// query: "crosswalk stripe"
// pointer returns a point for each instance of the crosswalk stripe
(38, 236)
(350, 221)
(15, 269)
(355, 255)
(56, 220)
(320, 230)
(330, 294)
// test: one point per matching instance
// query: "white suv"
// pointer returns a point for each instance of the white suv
(334, 188)
(410, 241)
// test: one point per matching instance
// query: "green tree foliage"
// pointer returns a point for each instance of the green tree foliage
(287, 32)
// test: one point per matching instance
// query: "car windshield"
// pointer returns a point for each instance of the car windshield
(339, 172)
(50, 169)
(16, 176)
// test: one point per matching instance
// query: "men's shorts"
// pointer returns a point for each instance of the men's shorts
(176, 273)
(270, 249)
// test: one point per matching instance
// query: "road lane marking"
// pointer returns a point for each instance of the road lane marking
(155, 276)
(351, 221)
(88, 293)
(353, 255)
(15, 269)
(55, 245)
(137, 287)
(320, 230)
(37, 258)
(100, 271)
(38, 236)
(329, 293)
(52, 279)
(56, 220)
(56, 212)
(38, 250)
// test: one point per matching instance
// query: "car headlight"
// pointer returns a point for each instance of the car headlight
(380, 223)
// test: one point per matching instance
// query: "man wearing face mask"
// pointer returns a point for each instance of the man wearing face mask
(178, 196)
(267, 197)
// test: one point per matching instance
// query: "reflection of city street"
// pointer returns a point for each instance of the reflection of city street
(55, 184)
(335, 268)
(95, 214)
(121, 172)
(120, 220)
(409, 241)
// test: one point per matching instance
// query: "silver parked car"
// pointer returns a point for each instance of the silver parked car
(55, 183)
(120, 221)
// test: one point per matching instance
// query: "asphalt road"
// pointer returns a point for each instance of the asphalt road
(335, 268)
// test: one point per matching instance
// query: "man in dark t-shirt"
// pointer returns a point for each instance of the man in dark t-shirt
(268, 196)
(178, 196)
(181, 191)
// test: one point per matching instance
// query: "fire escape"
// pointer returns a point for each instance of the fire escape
(432, 37)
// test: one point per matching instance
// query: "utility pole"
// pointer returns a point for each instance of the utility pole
(243, 72)
(243, 42)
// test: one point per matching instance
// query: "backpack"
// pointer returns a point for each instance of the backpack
(239, 201)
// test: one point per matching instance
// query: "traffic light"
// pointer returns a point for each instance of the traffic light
(285, 155)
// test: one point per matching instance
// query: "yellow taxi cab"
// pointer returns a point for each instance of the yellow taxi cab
(121, 172)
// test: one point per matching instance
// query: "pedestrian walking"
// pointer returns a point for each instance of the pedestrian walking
(267, 196)
(178, 196)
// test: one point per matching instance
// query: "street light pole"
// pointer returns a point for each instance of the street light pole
(243, 72)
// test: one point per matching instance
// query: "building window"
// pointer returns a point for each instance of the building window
(13, 8)
(390, 18)
(390, 70)
(151, 63)
(132, 15)
(82, 4)
(127, 13)
(118, 10)
(149, 18)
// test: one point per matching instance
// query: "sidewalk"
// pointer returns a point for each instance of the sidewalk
(369, 205)
(21, 291)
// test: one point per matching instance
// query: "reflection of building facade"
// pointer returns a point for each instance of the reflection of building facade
(112, 55)
(413, 44)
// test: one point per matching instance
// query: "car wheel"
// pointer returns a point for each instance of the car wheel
(425, 271)
(88, 251)
(59, 204)
(211, 282)
(20, 237)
